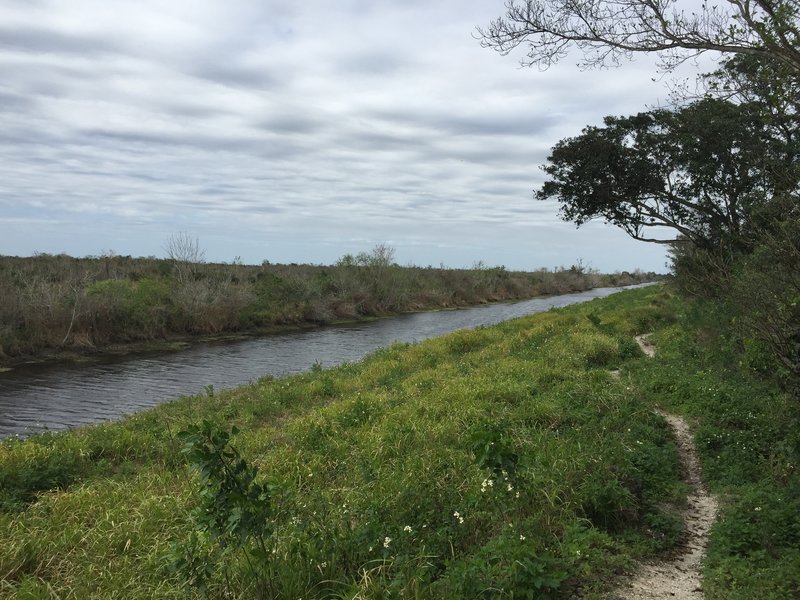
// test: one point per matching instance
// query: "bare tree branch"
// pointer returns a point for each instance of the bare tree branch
(608, 31)
(185, 253)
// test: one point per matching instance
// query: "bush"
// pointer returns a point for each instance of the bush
(765, 295)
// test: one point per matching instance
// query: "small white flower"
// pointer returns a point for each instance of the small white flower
(757, 508)
(516, 495)
(458, 516)
(407, 529)
(510, 487)
(522, 538)
(386, 541)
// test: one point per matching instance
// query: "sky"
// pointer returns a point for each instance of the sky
(294, 132)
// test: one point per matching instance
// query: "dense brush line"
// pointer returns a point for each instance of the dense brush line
(59, 302)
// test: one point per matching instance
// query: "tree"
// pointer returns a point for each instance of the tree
(699, 171)
(185, 253)
(776, 90)
(607, 31)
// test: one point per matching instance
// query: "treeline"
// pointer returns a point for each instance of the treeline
(63, 303)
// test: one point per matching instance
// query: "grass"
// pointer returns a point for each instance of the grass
(499, 462)
(747, 429)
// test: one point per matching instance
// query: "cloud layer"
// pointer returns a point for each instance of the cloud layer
(291, 132)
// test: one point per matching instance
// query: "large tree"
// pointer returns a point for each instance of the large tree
(609, 30)
(775, 89)
(701, 172)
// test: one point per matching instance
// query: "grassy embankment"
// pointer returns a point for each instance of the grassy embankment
(57, 304)
(375, 465)
(747, 430)
(380, 471)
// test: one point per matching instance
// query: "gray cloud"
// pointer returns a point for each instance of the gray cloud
(375, 64)
(39, 40)
(12, 102)
(288, 131)
(289, 124)
(236, 76)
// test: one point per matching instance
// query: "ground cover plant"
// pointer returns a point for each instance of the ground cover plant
(56, 304)
(498, 462)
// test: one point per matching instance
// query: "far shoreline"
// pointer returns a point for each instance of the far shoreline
(121, 350)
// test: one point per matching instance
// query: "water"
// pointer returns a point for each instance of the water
(54, 397)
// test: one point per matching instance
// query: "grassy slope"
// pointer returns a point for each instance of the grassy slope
(375, 450)
(747, 431)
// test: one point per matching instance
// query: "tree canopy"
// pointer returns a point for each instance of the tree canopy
(699, 171)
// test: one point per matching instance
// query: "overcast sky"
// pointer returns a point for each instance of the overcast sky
(293, 132)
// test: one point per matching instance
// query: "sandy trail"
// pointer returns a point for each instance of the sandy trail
(679, 576)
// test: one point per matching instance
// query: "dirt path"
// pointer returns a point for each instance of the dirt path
(679, 576)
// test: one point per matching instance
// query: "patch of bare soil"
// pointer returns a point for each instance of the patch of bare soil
(679, 576)
(646, 345)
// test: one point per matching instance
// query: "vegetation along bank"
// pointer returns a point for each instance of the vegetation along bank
(52, 305)
(506, 461)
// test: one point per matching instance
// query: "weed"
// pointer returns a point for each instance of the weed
(234, 516)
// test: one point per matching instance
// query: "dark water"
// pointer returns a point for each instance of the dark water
(55, 397)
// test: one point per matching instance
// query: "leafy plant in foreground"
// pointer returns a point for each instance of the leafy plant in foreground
(234, 519)
(492, 450)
